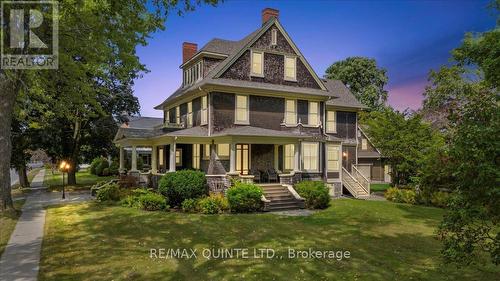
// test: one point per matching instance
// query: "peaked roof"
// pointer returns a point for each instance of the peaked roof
(344, 96)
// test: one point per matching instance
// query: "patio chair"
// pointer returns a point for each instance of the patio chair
(272, 175)
(256, 175)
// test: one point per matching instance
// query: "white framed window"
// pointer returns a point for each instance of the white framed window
(204, 110)
(313, 113)
(310, 156)
(288, 156)
(167, 116)
(196, 156)
(160, 156)
(333, 157)
(241, 110)
(291, 112)
(331, 121)
(242, 159)
(193, 73)
(290, 68)
(364, 144)
(257, 63)
(177, 115)
(178, 157)
(190, 114)
(274, 37)
(223, 150)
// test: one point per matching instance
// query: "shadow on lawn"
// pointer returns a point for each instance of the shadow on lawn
(106, 242)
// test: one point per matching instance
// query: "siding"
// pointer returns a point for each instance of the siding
(266, 112)
(346, 125)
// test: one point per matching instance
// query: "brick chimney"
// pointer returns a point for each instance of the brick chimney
(188, 51)
(269, 13)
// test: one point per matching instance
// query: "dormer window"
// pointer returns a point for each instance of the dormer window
(193, 74)
(290, 68)
(274, 37)
(257, 63)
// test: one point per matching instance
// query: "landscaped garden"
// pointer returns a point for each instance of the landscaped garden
(387, 241)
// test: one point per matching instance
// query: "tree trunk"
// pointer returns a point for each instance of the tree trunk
(9, 87)
(23, 176)
(73, 161)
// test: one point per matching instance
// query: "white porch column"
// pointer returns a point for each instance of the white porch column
(122, 158)
(276, 156)
(154, 159)
(171, 167)
(297, 157)
(134, 158)
(232, 158)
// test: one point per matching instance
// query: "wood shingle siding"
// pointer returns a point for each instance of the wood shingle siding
(346, 125)
(223, 110)
(266, 112)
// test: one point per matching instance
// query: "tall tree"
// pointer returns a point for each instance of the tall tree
(365, 80)
(96, 49)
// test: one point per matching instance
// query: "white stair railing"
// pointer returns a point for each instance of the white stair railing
(363, 181)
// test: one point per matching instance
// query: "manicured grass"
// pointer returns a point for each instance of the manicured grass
(84, 180)
(379, 187)
(387, 241)
(8, 222)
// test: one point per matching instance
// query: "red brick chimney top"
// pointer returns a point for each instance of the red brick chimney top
(269, 13)
(188, 51)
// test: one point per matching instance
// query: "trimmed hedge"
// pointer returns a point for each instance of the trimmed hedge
(245, 197)
(152, 202)
(315, 194)
(181, 185)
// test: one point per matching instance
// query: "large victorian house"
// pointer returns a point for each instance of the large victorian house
(255, 110)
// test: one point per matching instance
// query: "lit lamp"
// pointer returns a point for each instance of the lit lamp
(344, 154)
(64, 167)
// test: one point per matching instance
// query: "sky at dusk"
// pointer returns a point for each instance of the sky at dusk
(407, 38)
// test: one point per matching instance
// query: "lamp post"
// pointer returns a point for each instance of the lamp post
(64, 167)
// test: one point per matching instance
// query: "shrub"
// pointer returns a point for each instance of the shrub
(315, 194)
(182, 185)
(114, 168)
(152, 202)
(213, 204)
(190, 205)
(132, 200)
(105, 172)
(244, 197)
(440, 199)
(99, 170)
(94, 164)
(108, 193)
(401, 195)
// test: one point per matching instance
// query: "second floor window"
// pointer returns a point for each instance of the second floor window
(241, 110)
(204, 110)
(193, 73)
(257, 63)
(313, 113)
(190, 114)
(364, 144)
(290, 68)
(291, 112)
(167, 116)
(331, 122)
(177, 115)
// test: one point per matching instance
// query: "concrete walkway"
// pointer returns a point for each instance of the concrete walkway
(21, 258)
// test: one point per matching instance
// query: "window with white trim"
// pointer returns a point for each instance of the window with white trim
(178, 157)
(204, 110)
(223, 150)
(177, 115)
(167, 116)
(290, 68)
(257, 63)
(242, 158)
(291, 112)
(310, 156)
(274, 37)
(364, 144)
(289, 157)
(196, 156)
(333, 157)
(313, 113)
(241, 110)
(331, 121)
(190, 114)
(193, 73)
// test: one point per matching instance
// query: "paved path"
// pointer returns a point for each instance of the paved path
(21, 258)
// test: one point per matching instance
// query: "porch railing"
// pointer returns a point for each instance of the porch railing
(362, 180)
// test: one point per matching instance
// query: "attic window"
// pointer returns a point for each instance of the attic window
(290, 68)
(193, 73)
(257, 64)
(274, 37)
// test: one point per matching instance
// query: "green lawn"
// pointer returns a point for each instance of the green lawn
(387, 241)
(8, 222)
(84, 180)
(379, 187)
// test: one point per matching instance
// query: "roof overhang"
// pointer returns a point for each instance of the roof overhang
(203, 54)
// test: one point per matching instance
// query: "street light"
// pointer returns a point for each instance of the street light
(64, 167)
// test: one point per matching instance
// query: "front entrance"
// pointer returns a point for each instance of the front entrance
(242, 158)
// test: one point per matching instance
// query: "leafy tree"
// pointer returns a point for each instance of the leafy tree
(365, 80)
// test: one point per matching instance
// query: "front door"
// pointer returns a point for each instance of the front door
(242, 158)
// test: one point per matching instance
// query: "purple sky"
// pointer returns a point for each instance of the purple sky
(408, 38)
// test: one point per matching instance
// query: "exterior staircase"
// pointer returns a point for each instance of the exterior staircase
(280, 198)
(357, 184)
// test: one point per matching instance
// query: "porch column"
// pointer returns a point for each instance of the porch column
(171, 167)
(122, 158)
(134, 158)
(276, 156)
(232, 158)
(297, 157)
(154, 159)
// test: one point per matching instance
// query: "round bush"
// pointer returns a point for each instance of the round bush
(245, 197)
(108, 193)
(94, 164)
(213, 204)
(315, 194)
(114, 168)
(100, 168)
(152, 202)
(181, 185)
(398, 195)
